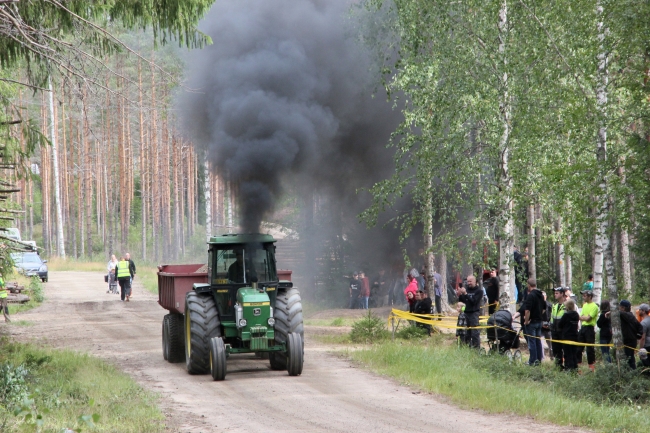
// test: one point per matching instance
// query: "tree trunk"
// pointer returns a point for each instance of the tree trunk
(428, 241)
(532, 253)
(626, 268)
(506, 239)
(559, 253)
(60, 240)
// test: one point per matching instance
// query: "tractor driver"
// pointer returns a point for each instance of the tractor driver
(236, 270)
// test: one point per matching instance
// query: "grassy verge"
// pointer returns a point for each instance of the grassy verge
(34, 289)
(335, 322)
(62, 386)
(490, 383)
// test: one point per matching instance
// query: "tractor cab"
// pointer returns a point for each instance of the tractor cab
(240, 261)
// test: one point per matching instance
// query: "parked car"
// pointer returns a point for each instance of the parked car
(30, 264)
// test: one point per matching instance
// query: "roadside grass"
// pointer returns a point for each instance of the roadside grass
(65, 385)
(34, 289)
(490, 383)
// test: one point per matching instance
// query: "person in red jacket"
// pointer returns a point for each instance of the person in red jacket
(412, 288)
(365, 290)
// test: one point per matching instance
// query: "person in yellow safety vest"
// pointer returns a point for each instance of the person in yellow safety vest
(124, 278)
(557, 311)
(3, 298)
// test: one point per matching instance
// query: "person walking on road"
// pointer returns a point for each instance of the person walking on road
(3, 298)
(110, 267)
(131, 266)
(588, 317)
(122, 270)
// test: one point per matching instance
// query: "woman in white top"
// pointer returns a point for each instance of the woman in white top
(112, 280)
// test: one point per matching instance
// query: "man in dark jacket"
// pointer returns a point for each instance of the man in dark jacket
(423, 306)
(492, 291)
(471, 296)
(534, 307)
(631, 330)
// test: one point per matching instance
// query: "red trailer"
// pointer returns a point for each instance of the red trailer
(174, 281)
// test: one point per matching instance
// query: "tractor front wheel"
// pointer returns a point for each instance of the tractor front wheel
(201, 324)
(294, 354)
(217, 358)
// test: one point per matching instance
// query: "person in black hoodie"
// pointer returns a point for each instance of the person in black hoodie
(492, 291)
(423, 306)
(604, 323)
(631, 330)
(568, 326)
(471, 296)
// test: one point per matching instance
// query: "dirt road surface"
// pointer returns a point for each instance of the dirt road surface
(332, 395)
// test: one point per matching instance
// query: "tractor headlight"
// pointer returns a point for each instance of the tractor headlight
(242, 323)
(271, 321)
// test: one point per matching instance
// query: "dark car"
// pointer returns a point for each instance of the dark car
(30, 264)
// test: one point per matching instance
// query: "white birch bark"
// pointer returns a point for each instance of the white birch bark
(603, 219)
(561, 275)
(60, 241)
(428, 242)
(532, 250)
(625, 262)
(506, 269)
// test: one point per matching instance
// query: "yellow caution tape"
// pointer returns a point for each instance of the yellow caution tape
(434, 320)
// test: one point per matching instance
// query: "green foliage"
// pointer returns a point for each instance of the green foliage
(337, 322)
(35, 289)
(68, 389)
(13, 384)
(411, 332)
(369, 329)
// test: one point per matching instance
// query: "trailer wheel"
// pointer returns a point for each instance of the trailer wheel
(175, 339)
(201, 324)
(165, 337)
(288, 319)
(294, 354)
(217, 358)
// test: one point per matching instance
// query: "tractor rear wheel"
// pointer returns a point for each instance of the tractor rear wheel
(217, 358)
(288, 319)
(175, 339)
(294, 354)
(201, 324)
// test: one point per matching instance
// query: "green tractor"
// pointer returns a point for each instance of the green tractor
(242, 308)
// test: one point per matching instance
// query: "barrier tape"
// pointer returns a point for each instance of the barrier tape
(429, 319)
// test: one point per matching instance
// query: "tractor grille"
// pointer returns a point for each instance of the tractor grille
(258, 338)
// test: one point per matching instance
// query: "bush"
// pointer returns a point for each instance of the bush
(36, 289)
(411, 332)
(13, 384)
(370, 329)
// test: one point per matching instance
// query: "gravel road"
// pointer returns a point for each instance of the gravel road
(332, 394)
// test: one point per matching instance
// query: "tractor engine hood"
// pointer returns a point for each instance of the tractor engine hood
(254, 317)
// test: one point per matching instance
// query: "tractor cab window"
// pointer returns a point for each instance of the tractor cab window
(243, 265)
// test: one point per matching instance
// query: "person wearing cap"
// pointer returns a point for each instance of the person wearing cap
(557, 311)
(355, 290)
(644, 343)
(3, 298)
(631, 330)
(588, 317)
(472, 296)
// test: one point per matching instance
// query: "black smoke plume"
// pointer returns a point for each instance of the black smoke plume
(285, 94)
